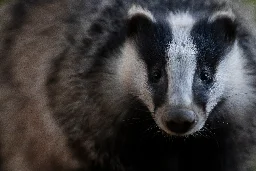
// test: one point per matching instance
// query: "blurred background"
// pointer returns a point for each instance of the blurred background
(252, 1)
(1, 1)
(249, 1)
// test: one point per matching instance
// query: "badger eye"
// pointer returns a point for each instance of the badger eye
(156, 75)
(206, 77)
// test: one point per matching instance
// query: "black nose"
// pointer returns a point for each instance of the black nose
(180, 120)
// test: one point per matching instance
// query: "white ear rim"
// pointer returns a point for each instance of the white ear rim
(138, 10)
(222, 14)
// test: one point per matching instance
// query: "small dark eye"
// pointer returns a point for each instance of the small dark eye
(156, 75)
(206, 77)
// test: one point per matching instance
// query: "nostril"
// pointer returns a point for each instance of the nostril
(179, 127)
(180, 120)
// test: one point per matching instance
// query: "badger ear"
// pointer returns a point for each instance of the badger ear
(138, 18)
(224, 23)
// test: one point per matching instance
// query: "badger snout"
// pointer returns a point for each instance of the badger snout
(180, 121)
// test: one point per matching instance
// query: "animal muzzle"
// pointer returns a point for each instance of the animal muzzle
(180, 117)
(180, 120)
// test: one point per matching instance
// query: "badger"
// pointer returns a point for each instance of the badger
(120, 85)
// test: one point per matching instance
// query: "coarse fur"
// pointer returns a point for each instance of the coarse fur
(92, 85)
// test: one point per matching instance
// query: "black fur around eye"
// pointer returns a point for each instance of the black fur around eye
(156, 75)
(206, 77)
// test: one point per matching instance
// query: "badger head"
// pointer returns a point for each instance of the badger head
(181, 65)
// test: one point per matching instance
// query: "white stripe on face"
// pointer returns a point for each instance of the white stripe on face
(134, 80)
(182, 59)
(232, 81)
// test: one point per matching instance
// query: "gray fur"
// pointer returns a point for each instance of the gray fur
(66, 91)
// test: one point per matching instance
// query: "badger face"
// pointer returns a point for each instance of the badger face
(179, 65)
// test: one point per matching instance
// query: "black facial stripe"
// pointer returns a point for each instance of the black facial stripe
(212, 45)
(152, 41)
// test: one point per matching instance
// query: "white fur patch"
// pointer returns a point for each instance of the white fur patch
(138, 10)
(181, 20)
(232, 82)
(182, 59)
(132, 75)
(222, 14)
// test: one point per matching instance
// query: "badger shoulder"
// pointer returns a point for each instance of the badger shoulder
(30, 37)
